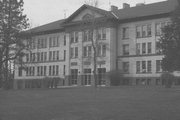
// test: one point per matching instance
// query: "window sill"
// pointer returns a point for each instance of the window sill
(143, 37)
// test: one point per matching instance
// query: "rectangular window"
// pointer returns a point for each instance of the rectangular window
(149, 33)
(64, 40)
(103, 50)
(138, 32)
(72, 37)
(125, 33)
(76, 52)
(149, 48)
(103, 33)
(158, 66)
(76, 36)
(138, 49)
(41, 73)
(50, 70)
(126, 49)
(54, 55)
(38, 71)
(27, 57)
(158, 48)
(57, 55)
(89, 50)
(38, 56)
(50, 42)
(138, 67)
(158, 29)
(72, 53)
(126, 67)
(74, 76)
(64, 70)
(144, 31)
(44, 70)
(64, 54)
(53, 70)
(143, 66)
(143, 48)
(148, 66)
(86, 35)
(45, 56)
(85, 51)
(42, 56)
(50, 55)
(20, 71)
(57, 69)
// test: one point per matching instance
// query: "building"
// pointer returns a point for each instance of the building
(127, 41)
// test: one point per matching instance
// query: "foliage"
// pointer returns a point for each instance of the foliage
(115, 77)
(168, 79)
(12, 23)
(170, 43)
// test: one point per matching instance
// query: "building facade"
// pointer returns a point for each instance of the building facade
(126, 40)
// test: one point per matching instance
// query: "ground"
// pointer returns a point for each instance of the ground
(107, 103)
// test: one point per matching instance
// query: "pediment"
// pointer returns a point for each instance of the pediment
(86, 14)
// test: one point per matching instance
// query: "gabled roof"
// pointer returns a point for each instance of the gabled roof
(57, 25)
(95, 9)
(145, 10)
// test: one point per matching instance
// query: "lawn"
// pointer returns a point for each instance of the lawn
(111, 103)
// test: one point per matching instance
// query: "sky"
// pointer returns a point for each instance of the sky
(42, 12)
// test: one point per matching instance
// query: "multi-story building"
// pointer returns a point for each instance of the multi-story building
(127, 40)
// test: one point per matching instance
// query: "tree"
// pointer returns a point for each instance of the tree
(93, 32)
(12, 23)
(170, 43)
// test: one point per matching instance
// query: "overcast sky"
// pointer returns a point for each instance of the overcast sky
(44, 11)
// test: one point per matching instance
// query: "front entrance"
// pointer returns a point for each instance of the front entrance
(74, 76)
(101, 76)
(87, 77)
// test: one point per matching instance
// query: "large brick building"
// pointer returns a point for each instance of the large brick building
(128, 39)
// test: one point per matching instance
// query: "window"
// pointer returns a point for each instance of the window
(50, 70)
(138, 67)
(64, 40)
(50, 55)
(88, 35)
(53, 70)
(158, 48)
(143, 48)
(45, 56)
(27, 57)
(138, 31)
(126, 67)
(74, 52)
(57, 57)
(74, 37)
(54, 41)
(42, 55)
(144, 31)
(126, 49)
(138, 49)
(149, 30)
(64, 70)
(54, 55)
(20, 71)
(158, 29)
(149, 48)
(38, 56)
(64, 54)
(158, 66)
(44, 70)
(143, 66)
(101, 51)
(102, 33)
(74, 76)
(38, 71)
(87, 51)
(57, 69)
(125, 33)
(149, 66)
(87, 77)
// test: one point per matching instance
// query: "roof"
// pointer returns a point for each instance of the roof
(122, 14)
(85, 6)
(145, 10)
(57, 25)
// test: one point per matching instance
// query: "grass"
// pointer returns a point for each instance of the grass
(113, 103)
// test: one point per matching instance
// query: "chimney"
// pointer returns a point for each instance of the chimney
(125, 5)
(114, 8)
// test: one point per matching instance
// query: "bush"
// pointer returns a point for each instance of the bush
(168, 79)
(115, 77)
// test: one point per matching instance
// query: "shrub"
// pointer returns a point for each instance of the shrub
(115, 77)
(168, 79)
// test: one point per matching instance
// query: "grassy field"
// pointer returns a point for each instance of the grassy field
(114, 103)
